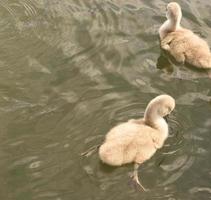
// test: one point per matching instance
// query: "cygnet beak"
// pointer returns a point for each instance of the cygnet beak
(166, 118)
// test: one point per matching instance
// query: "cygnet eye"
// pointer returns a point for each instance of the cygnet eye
(169, 109)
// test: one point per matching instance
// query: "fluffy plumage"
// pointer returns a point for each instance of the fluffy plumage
(137, 140)
(181, 43)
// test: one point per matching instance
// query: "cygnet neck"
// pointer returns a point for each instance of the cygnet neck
(170, 25)
(174, 23)
(154, 120)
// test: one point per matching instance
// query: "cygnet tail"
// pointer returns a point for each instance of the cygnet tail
(202, 62)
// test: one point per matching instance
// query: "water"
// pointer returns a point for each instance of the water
(70, 70)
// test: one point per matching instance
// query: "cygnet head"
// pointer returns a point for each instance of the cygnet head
(160, 106)
(174, 12)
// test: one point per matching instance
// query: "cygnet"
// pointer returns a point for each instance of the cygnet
(182, 44)
(137, 140)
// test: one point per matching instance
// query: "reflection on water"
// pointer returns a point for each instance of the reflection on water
(70, 70)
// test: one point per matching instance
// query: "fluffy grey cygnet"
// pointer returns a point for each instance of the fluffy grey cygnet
(181, 43)
(136, 141)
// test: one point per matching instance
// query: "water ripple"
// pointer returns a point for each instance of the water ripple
(29, 7)
(71, 70)
(176, 155)
(6, 5)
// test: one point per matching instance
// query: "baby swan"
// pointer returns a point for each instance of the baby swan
(136, 141)
(182, 44)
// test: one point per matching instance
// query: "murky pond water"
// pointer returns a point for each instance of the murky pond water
(70, 70)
